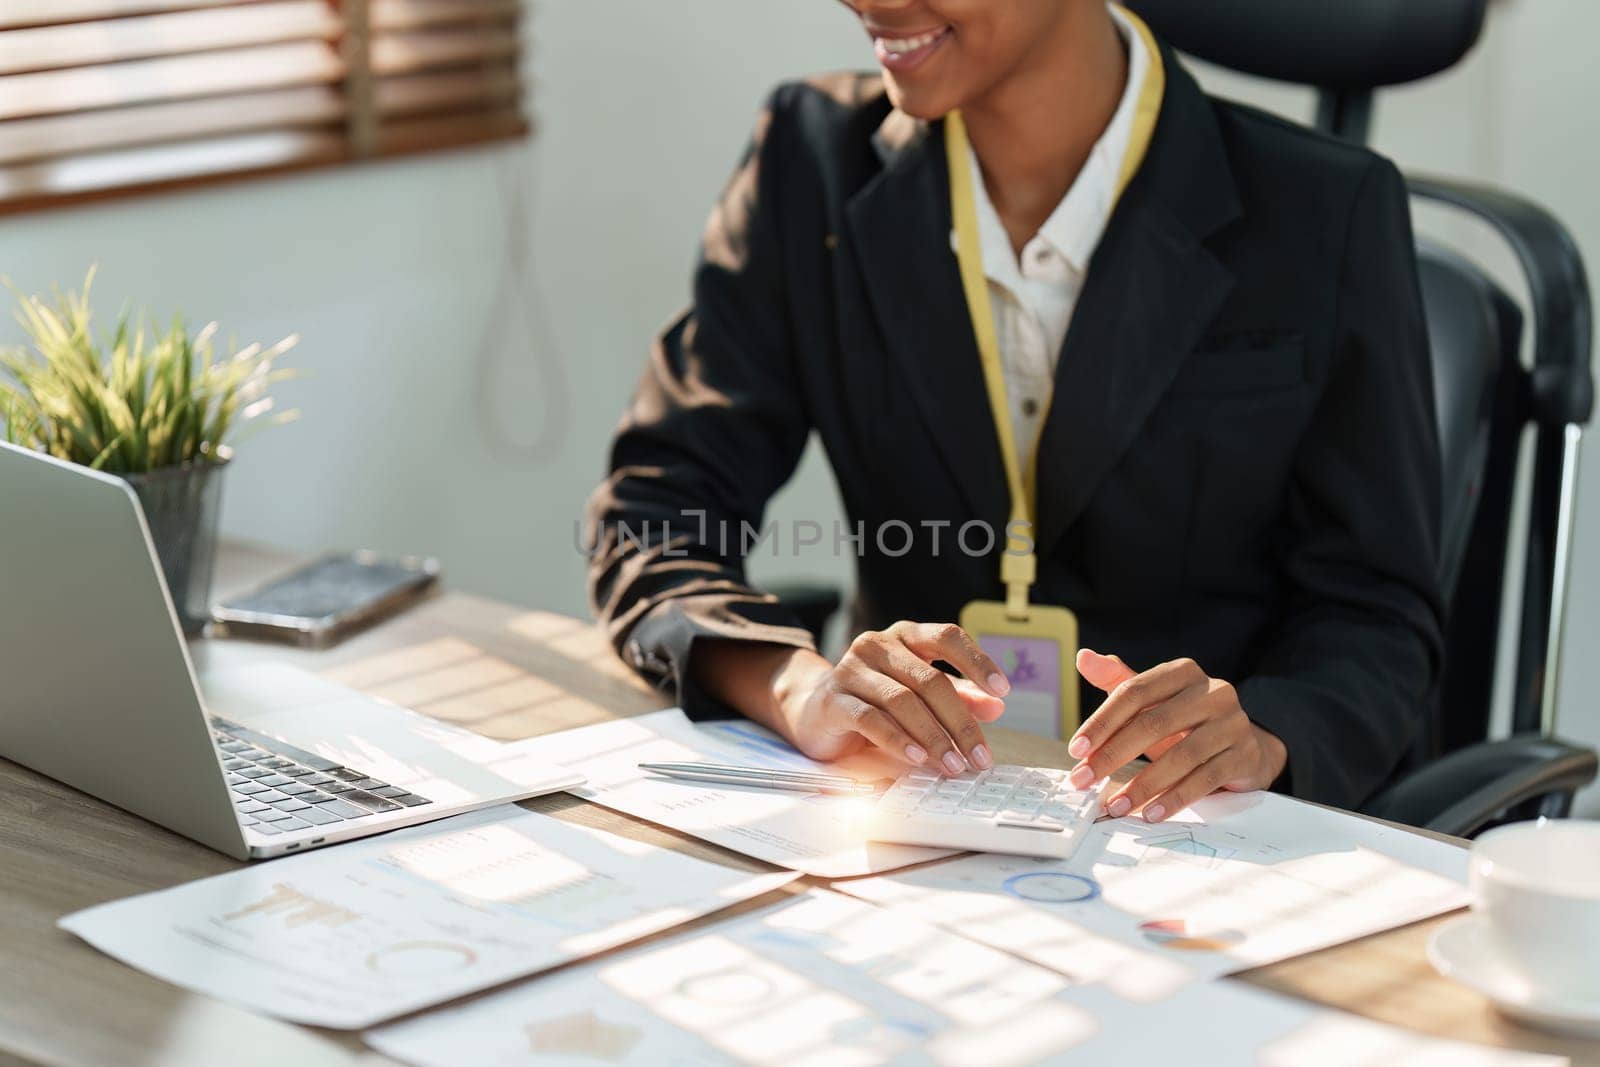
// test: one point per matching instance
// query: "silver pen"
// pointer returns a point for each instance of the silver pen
(762, 778)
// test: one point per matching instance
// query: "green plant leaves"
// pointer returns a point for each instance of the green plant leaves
(150, 399)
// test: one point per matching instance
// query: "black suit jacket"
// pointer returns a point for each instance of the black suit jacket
(1239, 464)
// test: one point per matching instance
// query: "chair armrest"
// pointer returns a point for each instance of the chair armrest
(1562, 388)
(1459, 793)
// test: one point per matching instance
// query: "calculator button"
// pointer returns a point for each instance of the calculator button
(981, 805)
(1029, 793)
(938, 806)
(990, 789)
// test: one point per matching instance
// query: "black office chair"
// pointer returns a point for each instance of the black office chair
(1485, 396)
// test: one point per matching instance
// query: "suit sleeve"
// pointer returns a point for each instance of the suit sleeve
(1352, 672)
(716, 426)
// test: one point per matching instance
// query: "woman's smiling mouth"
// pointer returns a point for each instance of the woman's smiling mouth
(902, 52)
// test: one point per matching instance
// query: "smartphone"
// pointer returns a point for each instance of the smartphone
(327, 600)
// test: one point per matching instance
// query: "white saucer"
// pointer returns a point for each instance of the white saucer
(1461, 950)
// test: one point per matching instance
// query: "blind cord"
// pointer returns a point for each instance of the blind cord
(517, 299)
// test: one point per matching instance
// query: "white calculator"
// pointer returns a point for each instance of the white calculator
(1029, 811)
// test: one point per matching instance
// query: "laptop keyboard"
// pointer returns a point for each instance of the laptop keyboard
(278, 788)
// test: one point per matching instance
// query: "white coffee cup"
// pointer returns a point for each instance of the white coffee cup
(1536, 886)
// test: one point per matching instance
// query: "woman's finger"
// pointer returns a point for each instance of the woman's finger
(1202, 744)
(861, 679)
(1201, 782)
(1103, 672)
(1155, 728)
(1128, 699)
(948, 642)
(857, 716)
(934, 688)
(984, 707)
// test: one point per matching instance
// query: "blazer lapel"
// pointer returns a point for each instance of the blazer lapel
(1151, 290)
(900, 222)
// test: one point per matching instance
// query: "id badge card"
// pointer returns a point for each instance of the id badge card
(1038, 655)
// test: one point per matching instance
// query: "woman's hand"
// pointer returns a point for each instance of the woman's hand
(885, 691)
(1191, 727)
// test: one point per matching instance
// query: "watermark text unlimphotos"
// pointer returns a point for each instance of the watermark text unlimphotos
(894, 538)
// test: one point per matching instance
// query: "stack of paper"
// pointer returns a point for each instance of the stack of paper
(985, 958)
(371, 930)
(1237, 881)
(824, 980)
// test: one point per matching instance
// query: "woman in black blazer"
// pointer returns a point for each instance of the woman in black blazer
(1237, 472)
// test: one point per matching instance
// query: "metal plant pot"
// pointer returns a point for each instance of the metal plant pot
(181, 506)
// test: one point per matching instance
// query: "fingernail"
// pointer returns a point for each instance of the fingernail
(1081, 777)
(981, 757)
(1154, 812)
(998, 685)
(954, 763)
(1119, 807)
(1079, 747)
(915, 754)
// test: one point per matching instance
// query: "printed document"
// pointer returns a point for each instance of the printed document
(822, 980)
(1236, 881)
(808, 832)
(354, 934)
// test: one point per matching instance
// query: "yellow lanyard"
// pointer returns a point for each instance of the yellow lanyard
(1019, 570)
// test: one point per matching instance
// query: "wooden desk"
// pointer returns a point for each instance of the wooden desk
(508, 673)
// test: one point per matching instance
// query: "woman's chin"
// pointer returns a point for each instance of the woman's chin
(920, 102)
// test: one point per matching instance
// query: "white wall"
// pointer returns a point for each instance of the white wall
(420, 335)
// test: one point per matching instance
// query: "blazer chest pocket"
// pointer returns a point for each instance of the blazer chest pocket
(1243, 363)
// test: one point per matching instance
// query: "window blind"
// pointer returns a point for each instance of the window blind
(100, 97)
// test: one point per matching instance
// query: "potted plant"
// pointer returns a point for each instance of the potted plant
(157, 408)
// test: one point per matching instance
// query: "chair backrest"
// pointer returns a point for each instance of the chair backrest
(1345, 48)
(1473, 331)
(1486, 397)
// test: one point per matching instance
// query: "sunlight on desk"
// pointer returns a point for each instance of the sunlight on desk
(455, 680)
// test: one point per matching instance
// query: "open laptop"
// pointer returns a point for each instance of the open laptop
(97, 690)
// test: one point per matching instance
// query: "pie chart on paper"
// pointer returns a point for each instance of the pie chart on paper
(1175, 934)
